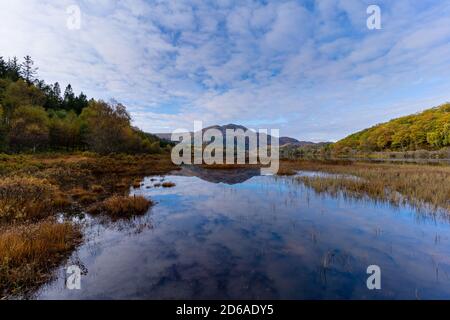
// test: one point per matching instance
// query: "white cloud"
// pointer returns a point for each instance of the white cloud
(315, 67)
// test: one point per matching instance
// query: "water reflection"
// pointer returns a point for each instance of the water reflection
(262, 238)
(228, 176)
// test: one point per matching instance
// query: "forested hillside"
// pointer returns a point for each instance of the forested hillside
(429, 130)
(35, 116)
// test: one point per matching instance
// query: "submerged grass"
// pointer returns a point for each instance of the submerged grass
(422, 186)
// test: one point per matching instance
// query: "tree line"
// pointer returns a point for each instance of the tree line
(36, 116)
(427, 130)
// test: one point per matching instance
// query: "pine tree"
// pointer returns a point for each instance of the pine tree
(81, 102)
(57, 90)
(3, 68)
(28, 70)
(13, 69)
(69, 98)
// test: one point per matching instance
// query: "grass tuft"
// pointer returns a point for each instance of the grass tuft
(122, 206)
(168, 184)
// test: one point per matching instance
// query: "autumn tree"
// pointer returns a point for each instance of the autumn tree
(64, 129)
(107, 126)
(20, 94)
(109, 130)
(28, 128)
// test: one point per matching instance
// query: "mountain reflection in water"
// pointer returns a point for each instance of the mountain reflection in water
(236, 235)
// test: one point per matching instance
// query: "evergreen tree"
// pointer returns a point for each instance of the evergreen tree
(28, 70)
(81, 102)
(69, 98)
(3, 68)
(13, 69)
(54, 99)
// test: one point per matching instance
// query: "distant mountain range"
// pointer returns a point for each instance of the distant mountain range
(283, 141)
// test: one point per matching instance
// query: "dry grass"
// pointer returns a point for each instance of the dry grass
(136, 183)
(29, 252)
(168, 185)
(122, 206)
(97, 188)
(83, 197)
(27, 198)
(286, 172)
(36, 187)
(422, 186)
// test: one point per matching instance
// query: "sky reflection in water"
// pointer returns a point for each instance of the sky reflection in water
(261, 238)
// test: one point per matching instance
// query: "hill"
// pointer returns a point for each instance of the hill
(283, 141)
(428, 130)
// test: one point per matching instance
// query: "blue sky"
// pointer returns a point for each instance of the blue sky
(310, 68)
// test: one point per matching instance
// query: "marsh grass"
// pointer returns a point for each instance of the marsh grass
(136, 183)
(122, 206)
(422, 186)
(34, 188)
(29, 252)
(168, 184)
(28, 198)
(97, 188)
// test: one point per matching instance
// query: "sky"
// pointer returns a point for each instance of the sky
(310, 68)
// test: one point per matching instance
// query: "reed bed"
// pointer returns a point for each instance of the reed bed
(422, 186)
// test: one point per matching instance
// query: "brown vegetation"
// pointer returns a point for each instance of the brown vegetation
(33, 188)
(26, 198)
(168, 185)
(122, 206)
(422, 186)
(28, 252)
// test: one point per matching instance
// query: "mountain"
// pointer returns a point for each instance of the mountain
(283, 141)
(287, 141)
(428, 130)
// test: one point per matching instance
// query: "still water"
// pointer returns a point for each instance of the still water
(237, 235)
